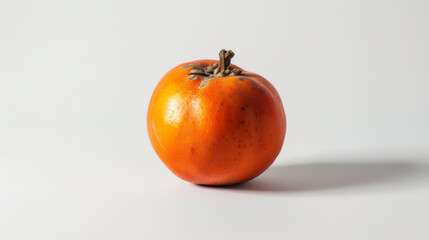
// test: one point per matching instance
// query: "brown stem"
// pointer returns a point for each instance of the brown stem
(216, 70)
(224, 61)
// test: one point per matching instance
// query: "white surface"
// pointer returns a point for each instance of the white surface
(76, 78)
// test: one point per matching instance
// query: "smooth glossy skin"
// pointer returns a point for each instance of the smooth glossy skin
(227, 132)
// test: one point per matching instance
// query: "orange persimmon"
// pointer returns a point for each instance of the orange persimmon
(214, 123)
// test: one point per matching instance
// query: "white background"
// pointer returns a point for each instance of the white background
(75, 82)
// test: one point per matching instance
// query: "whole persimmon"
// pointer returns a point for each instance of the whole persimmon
(213, 123)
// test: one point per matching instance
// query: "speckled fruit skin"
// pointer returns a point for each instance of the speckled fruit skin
(226, 132)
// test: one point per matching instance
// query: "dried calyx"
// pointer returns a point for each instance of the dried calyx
(217, 70)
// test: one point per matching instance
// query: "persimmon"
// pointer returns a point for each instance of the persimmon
(213, 123)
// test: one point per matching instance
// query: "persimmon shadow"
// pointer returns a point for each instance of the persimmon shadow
(332, 175)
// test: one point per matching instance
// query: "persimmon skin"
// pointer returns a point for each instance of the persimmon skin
(226, 132)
